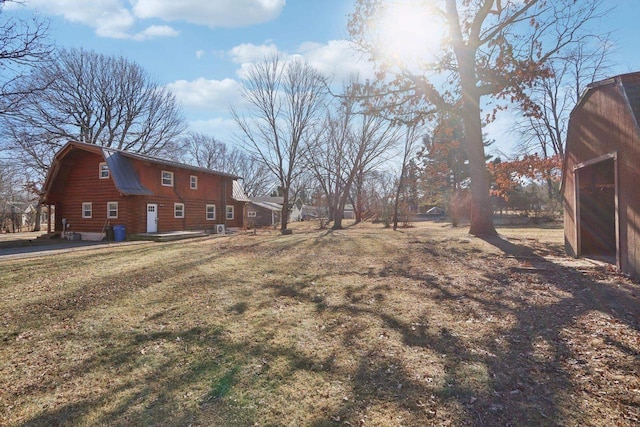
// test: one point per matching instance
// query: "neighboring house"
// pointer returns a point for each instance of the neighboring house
(19, 217)
(263, 213)
(600, 173)
(349, 212)
(267, 210)
(435, 212)
(92, 187)
(311, 212)
(295, 214)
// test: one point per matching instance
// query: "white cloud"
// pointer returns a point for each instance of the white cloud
(218, 13)
(155, 31)
(223, 129)
(118, 18)
(248, 52)
(108, 18)
(203, 94)
(336, 59)
(200, 53)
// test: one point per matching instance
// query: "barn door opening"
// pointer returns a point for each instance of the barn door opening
(597, 209)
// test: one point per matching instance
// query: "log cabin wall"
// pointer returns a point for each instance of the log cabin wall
(82, 184)
(210, 190)
(76, 180)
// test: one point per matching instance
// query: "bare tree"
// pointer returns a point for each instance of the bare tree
(14, 198)
(494, 48)
(544, 126)
(408, 153)
(353, 143)
(96, 99)
(23, 44)
(206, 151)
(284, 101)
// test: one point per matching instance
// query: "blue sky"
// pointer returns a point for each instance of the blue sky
(199, 48)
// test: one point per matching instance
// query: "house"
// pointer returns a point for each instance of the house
(20, 217)
(267, 211)
(261, 213)
(435, 212)
(92, 187)
(600, 173)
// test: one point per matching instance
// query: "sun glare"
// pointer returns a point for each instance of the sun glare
(407, 32)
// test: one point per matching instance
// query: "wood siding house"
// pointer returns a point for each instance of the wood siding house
(92, 187)
(263, 214)
(601, 172)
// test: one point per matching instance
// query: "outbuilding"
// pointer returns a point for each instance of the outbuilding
(601, 171)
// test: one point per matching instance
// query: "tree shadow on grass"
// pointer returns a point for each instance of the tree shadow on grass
(530, 387)
(499, 379)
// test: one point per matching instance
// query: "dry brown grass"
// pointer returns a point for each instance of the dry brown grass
(365, 326)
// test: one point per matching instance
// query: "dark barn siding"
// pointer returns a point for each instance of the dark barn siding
(604, 123)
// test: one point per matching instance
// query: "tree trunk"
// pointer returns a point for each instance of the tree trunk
(396, 204)
(358, 205)
(339, 214)
(284, 214)
(37, 223)
(481, 212)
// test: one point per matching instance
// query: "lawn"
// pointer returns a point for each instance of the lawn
(364, 326)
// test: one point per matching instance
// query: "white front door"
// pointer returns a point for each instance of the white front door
(152, 218)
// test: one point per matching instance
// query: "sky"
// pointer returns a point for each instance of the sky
(199, 49)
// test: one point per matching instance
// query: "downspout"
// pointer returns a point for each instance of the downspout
(224, 202)
(184, 210)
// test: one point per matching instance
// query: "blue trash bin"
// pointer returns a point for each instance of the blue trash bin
(119, 233)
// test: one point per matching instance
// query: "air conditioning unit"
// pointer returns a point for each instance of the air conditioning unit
(219, 228)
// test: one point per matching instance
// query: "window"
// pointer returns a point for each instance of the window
(193, 182)
(178, 210)
(211, 212)
(87, 210)
(112, 210)
(104, 171)
(167, 179)
(230, 212)
(251, 214)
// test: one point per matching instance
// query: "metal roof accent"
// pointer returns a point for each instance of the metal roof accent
(238, 193)
(269, 206)
(124, 175)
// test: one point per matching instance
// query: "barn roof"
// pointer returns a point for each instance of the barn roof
(124, 174)
(630, 85)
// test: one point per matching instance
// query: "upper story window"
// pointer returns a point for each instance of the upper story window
(167, 179)
(104, 170)
(193, 182)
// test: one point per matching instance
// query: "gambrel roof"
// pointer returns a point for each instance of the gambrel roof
(120, 166)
